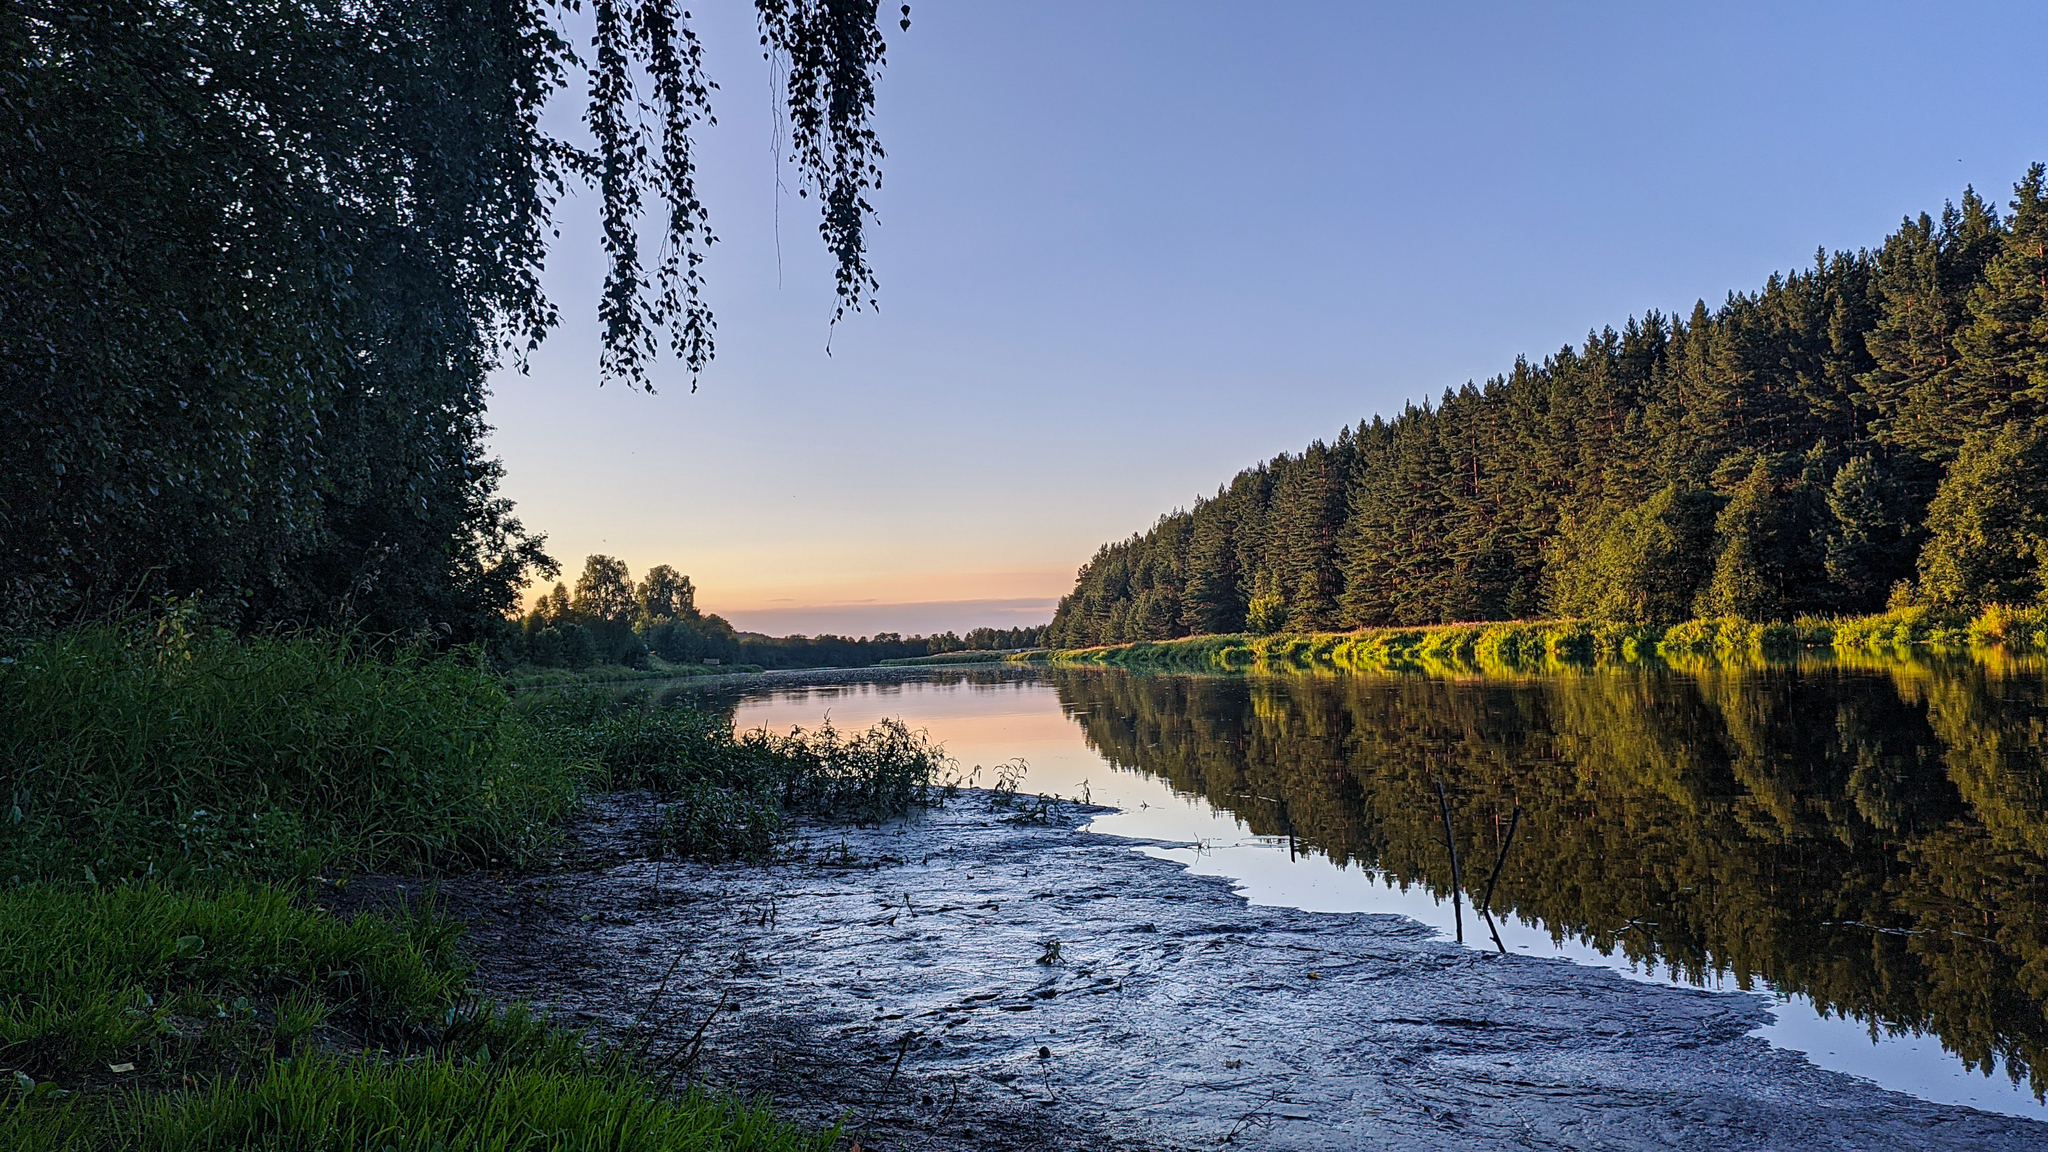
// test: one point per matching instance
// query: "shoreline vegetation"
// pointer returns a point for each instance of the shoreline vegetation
(1519, 645)
(182, 802)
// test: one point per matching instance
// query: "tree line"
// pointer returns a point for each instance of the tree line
(609, 618)
(1871, 430)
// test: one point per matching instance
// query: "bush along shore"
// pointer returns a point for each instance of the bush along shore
(177, 798)
(1518, 645)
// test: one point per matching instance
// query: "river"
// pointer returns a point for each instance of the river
(1866, 845)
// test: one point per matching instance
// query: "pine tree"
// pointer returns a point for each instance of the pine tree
(1925, 276)
(2004, 348)
(1648, 563)
(1988, 525)
(1771, 562)
(1870, 545)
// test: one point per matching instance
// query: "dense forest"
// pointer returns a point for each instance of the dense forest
(609, 618)
(1869, 431)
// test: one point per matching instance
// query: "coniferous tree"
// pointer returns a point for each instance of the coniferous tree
(2004, 347)
(1924, 277)
(1869, 542)
(1988, 525)
(1771, 558)
(1649, 563)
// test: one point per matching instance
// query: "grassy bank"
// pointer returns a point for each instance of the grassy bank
(1533, 645)
(1019, 656)
(166, 980)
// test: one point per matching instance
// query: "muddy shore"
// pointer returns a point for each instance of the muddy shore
(989, 977)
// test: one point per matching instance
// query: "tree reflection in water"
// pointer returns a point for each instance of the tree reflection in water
(1871, 836)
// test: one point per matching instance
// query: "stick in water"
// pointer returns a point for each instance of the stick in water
(1451, 842)
(1514, 822)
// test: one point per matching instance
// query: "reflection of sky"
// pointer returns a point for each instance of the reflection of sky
(989, 724)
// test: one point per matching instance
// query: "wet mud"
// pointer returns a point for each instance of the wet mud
(988, 977)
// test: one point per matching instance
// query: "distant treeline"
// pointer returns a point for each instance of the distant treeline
(1865, 433)
(830, 651)
(610, 619)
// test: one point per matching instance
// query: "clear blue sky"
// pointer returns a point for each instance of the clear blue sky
(1127, 249)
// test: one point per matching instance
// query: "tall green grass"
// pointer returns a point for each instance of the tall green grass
(210, 1022)
(145, 975)
(326, 1103)
(138, 752)
(155, 994)
(1497, 646)
(983, 656)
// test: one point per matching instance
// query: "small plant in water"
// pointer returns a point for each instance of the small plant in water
(1049, 952)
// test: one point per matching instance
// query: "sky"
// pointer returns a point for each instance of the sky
(1127, 249)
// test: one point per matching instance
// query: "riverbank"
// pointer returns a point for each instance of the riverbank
(985, 975)
(1521, 645)
(181, 796)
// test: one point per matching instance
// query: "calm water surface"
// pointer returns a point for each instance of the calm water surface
(1868, 846)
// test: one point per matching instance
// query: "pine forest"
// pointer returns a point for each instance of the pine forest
(1871, 431)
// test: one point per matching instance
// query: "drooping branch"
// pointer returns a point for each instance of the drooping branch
(632, 158)
(834, 51)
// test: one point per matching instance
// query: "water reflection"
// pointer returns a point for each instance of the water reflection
(1871, 838)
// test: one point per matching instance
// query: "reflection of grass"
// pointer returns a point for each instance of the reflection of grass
(1524, 646)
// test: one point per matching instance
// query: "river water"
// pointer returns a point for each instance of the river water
(1866, 845)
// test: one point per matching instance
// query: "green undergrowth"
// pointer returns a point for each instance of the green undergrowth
(164, 979)
(175, 800)
(328, 1103)
(1514, 645)
(135, 751)
(731, 795)
(1534, 646)
(141, 1018)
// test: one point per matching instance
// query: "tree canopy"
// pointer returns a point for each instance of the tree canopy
(261, 257)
